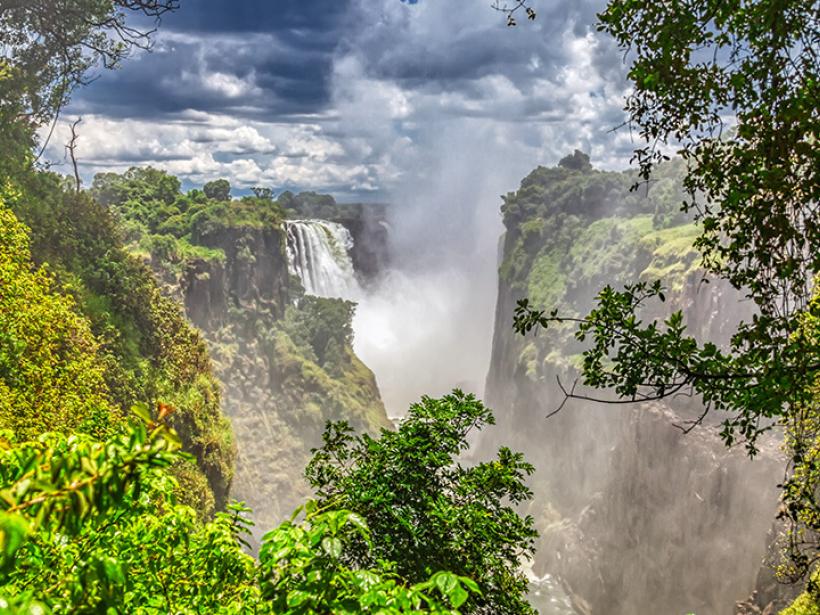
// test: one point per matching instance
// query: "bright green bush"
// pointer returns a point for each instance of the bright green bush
(92, 527)
(426, 510)
(51, 376)
(146, 348)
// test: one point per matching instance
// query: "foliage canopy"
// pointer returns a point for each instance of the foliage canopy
(92, 526)
(427, 511)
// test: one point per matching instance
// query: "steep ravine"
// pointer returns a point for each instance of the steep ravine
(636, 516)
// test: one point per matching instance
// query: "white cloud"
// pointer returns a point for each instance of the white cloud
(407, 83)
(201, 147)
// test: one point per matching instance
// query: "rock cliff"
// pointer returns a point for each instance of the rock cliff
(637, 517)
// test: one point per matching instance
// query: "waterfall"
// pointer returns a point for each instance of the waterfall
(318, 252)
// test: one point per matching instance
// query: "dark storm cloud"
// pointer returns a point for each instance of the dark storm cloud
(462, 51)
(318, 16)
(267, 60)
(251, 58)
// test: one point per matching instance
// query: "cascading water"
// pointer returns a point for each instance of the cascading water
(318, 252)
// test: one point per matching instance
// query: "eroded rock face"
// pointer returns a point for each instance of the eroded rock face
(677, 524)
(636, 517)
(770, 595)
(253, 276)
(645, 518)
(277, 395)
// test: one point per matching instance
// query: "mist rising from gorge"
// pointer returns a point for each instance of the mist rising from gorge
(426, 326)
(446, 146)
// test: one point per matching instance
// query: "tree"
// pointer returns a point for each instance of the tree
(91, 526)
(316, 323)
(512, 8)
(219, 190)
(427, 512)
(754, 188)
(51, 375)
(49, 47)
(263, 193)
(576, 161)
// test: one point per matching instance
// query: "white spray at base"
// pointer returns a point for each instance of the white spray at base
(318, 253)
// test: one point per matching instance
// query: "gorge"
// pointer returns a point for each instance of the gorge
(271, 342)
(625, 500)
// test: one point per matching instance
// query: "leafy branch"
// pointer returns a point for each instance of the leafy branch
(643, 362)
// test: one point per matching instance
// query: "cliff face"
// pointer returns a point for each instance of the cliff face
(280, 385)
(253, 275)
(636, 516)
(284, 360)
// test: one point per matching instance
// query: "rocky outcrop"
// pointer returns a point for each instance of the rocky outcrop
(636, 516)
(771, 594)
(253, 275)
(371, 235)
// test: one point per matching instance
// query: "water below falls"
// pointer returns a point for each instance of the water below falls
(318, 252)
(547, 596)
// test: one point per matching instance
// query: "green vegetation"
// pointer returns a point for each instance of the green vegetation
(563, 243)
(174, 228)
(806, 603)
(96, 511)
(123, 332)
(51, 375)
(426, 510)
(753, 192)
(674, 257)
(325, 207)
(111, 306)
(285, 360)
(591, 212)
(92, 526)
(312, 345)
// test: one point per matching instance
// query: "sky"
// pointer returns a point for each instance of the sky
(435, 107)
(351, 96)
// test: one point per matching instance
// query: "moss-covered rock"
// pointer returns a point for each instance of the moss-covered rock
(807, 603)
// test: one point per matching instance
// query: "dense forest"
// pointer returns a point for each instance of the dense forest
(187, 426)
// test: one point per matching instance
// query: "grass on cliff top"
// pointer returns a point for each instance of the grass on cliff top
(608, 246)
(613, 251)
(603, 250)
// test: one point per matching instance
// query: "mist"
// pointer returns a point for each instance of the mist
(445, 149)
(426, 326)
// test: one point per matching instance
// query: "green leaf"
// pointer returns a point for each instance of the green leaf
(332, 546)
(142, 412)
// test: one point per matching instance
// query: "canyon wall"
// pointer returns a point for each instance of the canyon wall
(636, 516)
(285, 362)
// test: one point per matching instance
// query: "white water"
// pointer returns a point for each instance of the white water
(547, 596)
(318, 253)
